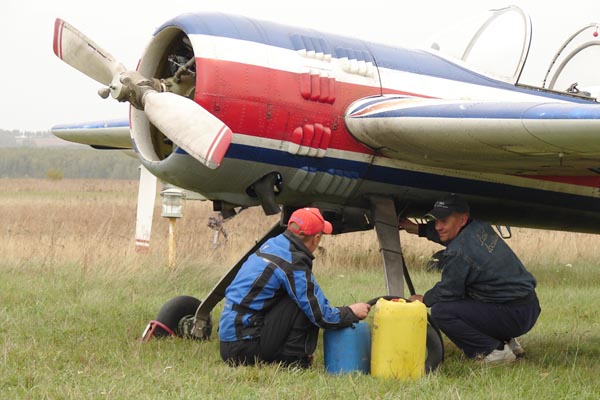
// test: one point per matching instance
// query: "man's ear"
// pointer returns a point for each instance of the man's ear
(316, 239)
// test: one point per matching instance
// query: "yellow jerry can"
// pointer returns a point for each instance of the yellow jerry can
(398, 345)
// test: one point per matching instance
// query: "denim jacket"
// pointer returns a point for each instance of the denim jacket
(479, 265)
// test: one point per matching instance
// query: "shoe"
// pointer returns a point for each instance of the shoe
(516, 348)
(500, 356)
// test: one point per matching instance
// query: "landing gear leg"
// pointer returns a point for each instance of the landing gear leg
(386, 226)
(188, 317)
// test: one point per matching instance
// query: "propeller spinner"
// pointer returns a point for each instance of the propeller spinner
(190, 126)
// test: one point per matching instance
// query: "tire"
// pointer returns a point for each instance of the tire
(435, 347)
(173, 311)
(434, 344)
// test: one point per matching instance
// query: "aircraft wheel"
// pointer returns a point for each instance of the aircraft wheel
(434, 343)
(173, 312)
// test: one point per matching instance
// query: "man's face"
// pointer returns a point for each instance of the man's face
(449, 227)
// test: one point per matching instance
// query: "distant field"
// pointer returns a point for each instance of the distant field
(75, 296)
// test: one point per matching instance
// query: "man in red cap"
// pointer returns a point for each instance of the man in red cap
(274, 306)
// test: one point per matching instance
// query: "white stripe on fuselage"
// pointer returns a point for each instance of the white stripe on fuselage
(262, 55)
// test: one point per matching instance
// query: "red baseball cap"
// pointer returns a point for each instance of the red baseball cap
(308, 221)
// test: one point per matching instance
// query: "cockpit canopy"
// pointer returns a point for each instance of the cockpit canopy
(497, 44)
(575, 65)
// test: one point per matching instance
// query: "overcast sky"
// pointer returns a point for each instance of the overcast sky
(39, 90)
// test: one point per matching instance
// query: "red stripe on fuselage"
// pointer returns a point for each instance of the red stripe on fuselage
(57, 42)
(268, 103)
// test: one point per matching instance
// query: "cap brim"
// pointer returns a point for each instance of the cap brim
(327, 228)
(438, 213)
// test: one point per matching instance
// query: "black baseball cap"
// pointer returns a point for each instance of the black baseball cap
(448, 205)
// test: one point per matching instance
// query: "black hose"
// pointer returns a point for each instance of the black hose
(411, 287)
(374, 300)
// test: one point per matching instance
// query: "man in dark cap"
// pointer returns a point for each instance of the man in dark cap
(274, 306)
(485, 298)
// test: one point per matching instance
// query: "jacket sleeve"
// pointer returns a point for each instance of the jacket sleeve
(452, 283)
(306, 292)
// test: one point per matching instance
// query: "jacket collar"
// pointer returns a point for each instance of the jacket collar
(298, 243)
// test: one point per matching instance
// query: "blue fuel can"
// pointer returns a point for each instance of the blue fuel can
(348, 349)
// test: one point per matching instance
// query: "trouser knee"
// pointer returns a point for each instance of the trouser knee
(440, 314)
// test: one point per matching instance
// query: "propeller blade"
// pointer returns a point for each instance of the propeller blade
(145, 209)
(81, 53)
(191, 127)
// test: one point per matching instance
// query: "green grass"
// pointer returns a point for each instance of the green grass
(73, 332)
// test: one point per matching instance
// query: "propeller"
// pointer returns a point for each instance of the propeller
(187, 124)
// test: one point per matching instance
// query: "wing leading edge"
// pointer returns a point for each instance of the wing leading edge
(525, 138)
(101, 134)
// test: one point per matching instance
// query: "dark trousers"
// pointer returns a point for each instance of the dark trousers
(478, 328)
(286, 336)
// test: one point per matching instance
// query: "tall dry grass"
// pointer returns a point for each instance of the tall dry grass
(92, 222)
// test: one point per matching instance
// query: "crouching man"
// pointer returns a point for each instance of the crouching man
(274, 306)
(485, 298)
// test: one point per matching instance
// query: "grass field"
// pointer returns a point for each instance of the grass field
(75, 297)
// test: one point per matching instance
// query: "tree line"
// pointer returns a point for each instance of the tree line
(15, 138)
(57, 163)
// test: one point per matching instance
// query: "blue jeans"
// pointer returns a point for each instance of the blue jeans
(478, 328)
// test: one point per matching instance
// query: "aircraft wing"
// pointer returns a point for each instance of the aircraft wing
(100, 134)
(524, 138)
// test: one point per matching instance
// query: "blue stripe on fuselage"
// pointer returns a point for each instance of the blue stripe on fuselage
(413, 179)
(334, 166)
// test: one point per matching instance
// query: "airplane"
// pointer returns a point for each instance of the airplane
(254, 113)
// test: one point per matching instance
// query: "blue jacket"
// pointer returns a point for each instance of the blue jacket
(478, 264)
(281, 267)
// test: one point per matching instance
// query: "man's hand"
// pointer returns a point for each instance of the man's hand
(361, 310)
(408, 226)
(416, 297)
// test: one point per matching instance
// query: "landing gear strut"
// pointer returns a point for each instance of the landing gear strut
(386, 226)
(202, 317)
